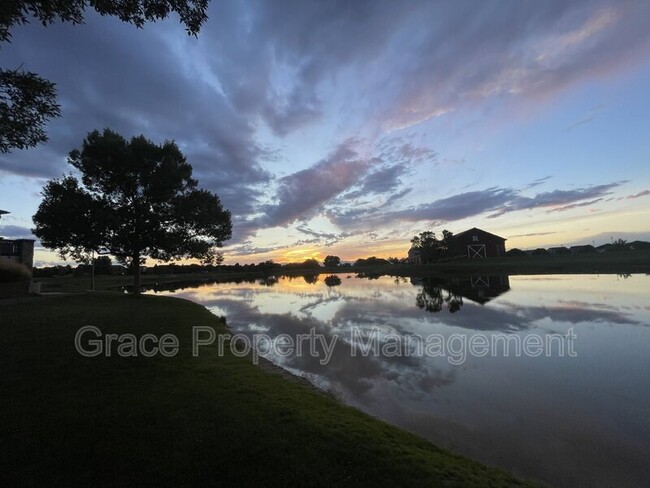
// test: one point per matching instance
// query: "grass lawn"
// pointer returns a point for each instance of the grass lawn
(67, 420)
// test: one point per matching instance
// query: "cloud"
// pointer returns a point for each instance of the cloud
(537, 182)
(639, 195)
(304, 192)
(16, 232)
(104, 81)
(532, 234)
(263, 74)
(352, 173)
(469, 54)
(575, 205)
(558, 200)
(473, 203)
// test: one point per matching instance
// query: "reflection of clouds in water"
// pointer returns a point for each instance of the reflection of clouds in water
(389, 308)
(508, 411)
(570, 312)
(352, 376)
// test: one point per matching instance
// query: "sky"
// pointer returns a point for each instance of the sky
(346, 128)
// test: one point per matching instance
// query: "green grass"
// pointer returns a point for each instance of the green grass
(72, 421)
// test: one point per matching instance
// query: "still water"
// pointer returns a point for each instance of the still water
(575, 412)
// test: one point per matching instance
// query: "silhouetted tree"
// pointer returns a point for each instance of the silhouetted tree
(332, 261)
(371, 261)
(28, 101)
(430, 247)
(135, 199)
(103, 265)
(310, 263)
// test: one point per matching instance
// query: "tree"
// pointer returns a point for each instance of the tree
(430, 247)
(28, 101)
(331, 261)
(371, 261)
(103, 265)
(135, 199)
(310, 263)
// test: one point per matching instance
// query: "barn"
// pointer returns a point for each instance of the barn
(477, 243)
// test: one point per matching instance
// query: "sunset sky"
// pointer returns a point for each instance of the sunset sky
(347, 127)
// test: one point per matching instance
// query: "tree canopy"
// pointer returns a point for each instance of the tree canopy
(134, 199)
(28, 101)
(430, 247)
(371, 261)
(332, 260)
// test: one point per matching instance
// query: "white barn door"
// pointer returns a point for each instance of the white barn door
(476, 251)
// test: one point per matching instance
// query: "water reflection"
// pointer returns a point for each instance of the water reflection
(552, 418)
(332, 280)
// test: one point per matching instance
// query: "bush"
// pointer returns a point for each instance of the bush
(11, 272)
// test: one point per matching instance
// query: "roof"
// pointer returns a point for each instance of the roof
(475, 229)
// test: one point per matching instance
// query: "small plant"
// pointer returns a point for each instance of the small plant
(12, 272)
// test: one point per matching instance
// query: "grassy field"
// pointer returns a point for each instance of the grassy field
(67, 420)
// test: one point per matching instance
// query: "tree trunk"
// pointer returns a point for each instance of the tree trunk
(137, 287)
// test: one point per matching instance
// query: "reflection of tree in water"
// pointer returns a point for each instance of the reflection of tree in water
(369, 276)
(174, 286)
(332, 280)
(310, 279)
(268, 280)
(431, 298)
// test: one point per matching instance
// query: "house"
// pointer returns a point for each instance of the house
(477, 243)
(17, 250)
(582, 249)
(558, 250)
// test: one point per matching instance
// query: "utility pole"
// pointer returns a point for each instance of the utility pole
(92, 271)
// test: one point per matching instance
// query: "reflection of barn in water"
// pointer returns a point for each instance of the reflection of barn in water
(448, 292)
(479, 289)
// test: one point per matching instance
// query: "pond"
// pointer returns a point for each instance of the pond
(547, 376)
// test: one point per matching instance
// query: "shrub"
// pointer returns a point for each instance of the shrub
(11, 272)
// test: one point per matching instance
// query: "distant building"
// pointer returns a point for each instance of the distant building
(477, 243)
(558, 250)
(17, 250)
(582, 249)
